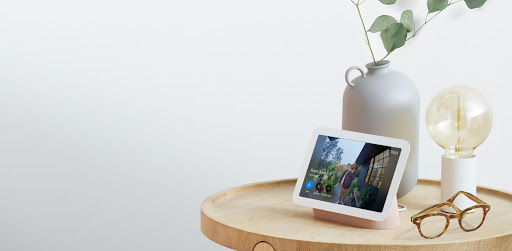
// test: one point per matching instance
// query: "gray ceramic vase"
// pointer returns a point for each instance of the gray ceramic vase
(387, 103)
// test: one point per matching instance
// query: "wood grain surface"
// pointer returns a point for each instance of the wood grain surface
(241, 217)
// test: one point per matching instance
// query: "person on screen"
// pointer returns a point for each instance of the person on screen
(345, 181)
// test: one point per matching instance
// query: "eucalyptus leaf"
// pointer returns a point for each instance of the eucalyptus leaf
(436, 5)
(407, 20)
(394, 36)
(473, 4)
(388, 2)
(381, 23)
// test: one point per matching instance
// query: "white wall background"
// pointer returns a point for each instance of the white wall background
(119, 117)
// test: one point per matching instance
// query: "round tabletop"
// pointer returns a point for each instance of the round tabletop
(262, 216)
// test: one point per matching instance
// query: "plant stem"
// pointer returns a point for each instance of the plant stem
(364, 28)
(416, 31)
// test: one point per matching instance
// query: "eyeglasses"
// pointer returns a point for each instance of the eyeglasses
(432, 223)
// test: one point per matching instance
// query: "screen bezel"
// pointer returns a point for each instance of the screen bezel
(346, 210)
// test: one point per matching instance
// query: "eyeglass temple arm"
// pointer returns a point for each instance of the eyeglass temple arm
(434, 208)
(470, 196)
(426, 211)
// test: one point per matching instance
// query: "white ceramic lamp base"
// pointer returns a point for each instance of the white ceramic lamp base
(458, 175)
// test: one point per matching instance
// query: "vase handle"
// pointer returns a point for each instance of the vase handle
(351, 69)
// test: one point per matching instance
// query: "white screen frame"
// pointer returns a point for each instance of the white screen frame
(346, 210)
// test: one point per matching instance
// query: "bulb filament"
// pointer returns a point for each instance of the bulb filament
(458, 147)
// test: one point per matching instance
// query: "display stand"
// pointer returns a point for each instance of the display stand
(392, 221)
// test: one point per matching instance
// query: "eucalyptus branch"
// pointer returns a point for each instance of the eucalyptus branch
(395, 33)
(364, 28)
(427, 20)
(454, 2)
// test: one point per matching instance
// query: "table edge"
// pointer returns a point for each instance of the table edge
(210, 227)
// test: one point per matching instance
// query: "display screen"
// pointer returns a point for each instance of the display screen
(350, 173)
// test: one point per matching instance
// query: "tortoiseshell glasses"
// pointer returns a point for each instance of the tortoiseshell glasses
(432, 223)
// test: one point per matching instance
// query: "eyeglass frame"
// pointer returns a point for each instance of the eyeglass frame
(428, 212)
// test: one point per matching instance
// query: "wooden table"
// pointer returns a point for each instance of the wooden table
(262, 217)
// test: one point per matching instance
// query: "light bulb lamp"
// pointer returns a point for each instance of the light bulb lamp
(458, 119)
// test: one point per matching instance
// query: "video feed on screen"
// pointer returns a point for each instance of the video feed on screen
(350, 173)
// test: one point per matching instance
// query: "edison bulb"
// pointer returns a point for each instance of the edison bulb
(459, 119)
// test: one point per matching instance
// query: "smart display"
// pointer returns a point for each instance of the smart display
(351, 173)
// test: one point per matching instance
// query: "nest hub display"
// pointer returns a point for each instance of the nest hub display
(351, 173)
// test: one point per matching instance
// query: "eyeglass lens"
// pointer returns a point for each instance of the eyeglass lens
(433, 226)
(472, 219)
